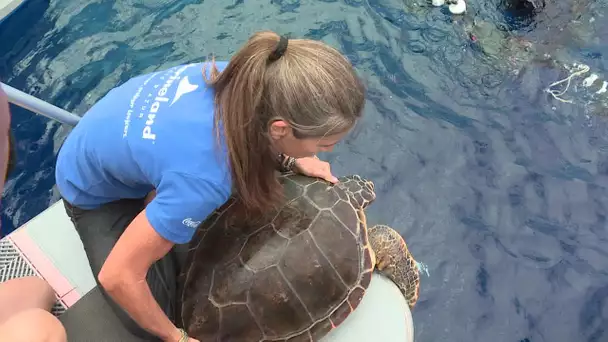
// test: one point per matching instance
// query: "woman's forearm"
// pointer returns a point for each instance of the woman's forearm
(135, 297)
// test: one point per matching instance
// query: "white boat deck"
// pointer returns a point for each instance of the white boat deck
(48, 246)
(53, 246)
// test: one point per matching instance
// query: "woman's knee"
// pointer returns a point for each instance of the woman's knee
(40, 290)
(33, 325)
(25, 293)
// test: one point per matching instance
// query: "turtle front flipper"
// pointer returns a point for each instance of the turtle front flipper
(394, 260)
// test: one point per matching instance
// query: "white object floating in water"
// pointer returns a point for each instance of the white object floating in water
(458, 8)
(603, 88)
(438, 3)
(589, 80)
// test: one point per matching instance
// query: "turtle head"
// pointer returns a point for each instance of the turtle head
(360, 191)
(499, 43)
(486, 36)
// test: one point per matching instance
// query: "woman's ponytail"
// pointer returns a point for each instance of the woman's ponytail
(306, 83)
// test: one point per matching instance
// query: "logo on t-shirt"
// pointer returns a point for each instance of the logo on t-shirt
(189, 222)
(184, 87)
(158, 96)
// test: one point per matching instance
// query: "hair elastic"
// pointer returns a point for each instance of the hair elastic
(279, 50)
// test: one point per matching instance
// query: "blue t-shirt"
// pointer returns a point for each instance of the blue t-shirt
(153, 132)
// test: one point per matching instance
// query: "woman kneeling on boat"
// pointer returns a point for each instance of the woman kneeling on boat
(158, 154)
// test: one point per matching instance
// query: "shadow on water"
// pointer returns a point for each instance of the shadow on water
(17, 40)
(13, 35)
(498, 188)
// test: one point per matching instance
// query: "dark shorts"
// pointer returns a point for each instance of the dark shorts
(99, 230)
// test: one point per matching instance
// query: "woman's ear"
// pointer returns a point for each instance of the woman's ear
(279, 129)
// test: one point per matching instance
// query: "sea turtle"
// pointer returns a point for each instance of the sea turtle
(505, 50)
(292, 275)
(540, 40)
(512, 54)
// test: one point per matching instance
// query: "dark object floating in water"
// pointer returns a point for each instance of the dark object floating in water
(523, 9)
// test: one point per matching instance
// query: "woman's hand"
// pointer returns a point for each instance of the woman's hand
(178, 336)
(315, 167)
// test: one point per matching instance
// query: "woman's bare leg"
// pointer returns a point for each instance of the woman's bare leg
(32, 325)
(25, 293)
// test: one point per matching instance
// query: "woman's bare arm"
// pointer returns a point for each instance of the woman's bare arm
(123, 276)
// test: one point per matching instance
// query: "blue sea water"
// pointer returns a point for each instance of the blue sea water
(497, 187)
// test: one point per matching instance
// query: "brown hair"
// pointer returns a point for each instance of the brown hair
(311, 86)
